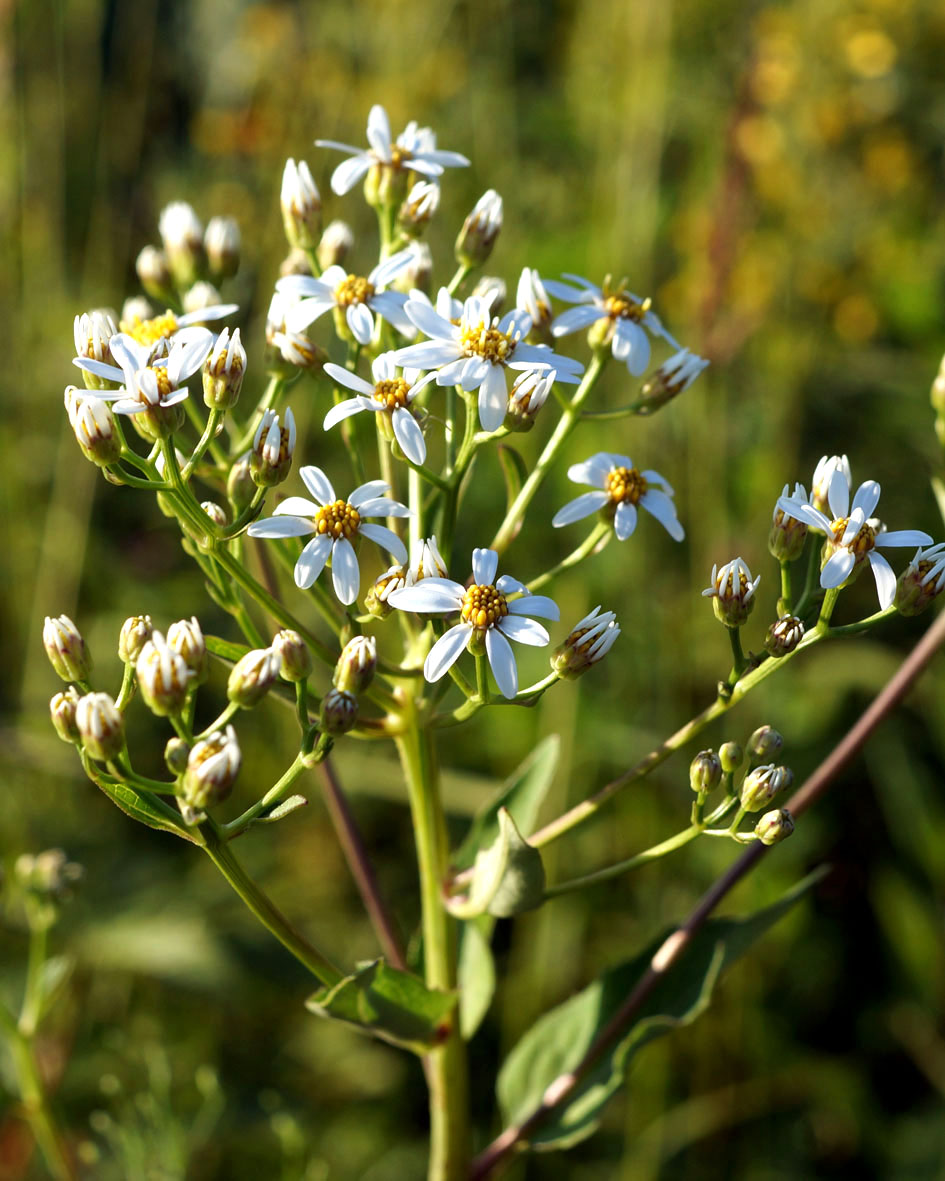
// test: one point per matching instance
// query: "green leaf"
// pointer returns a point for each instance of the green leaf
(476, 974)
(393, 1005)
(224, 650)
(507, 878)
(149, 812)
(54, 974)
(558, 1041)
(292, 804)
(521, 794)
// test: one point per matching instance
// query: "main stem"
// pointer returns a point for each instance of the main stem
(446, 1065)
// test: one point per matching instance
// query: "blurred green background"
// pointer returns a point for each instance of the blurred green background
(772, 174)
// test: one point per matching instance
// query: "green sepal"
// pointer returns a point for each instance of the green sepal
(390, 1004)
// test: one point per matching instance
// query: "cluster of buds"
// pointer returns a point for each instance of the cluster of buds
(189, 253)
(353, 673)
(47, 879)
(762, 781)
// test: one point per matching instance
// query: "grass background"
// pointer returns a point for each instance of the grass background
(772, 175)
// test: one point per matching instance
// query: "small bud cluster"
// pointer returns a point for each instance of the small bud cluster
(762, 781)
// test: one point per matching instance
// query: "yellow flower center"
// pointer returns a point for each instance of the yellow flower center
(623, 307)
(480, 340)
(162, 381)
(625, 485)
(338, 519)
(392, 394)
(483, 607)
(399, 156)
(727, 589)
(861, 544)
(219, 367)
(150, 331)
(354, 289)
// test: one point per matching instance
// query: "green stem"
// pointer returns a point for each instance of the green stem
(462, 273)
(739, 662)
(826, 609)
(784, 603)
(262, 907)
(482, 679)
(602, 530)
(214, 422)
(275, 795)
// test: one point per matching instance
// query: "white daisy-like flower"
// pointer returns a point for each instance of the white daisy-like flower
(414, 150)
(853, 534)
(357, 297)
(475, 353)
(336, 523)
(622, 488)
(674, 376)
(827, 465)
(628, 314)
(295, 348)
(390, 394)
(488, 614)
(425, 562)
(152, 375)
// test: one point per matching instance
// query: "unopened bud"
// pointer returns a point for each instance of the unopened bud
(240, 485)
(301, 206)
(294, 653)
(92, 332)
(335, 245)
(273, 445)
(764, 744)
(201, 295)
(922, 581)
(531, 296)
(216, 513)
(176, 753)
(101, 726)
(827, 465)
(528, 394)
(419, 206)
(154, 274)
(732, 592)
(705, 772)
(375, 601)
(253, 676)
(211, 769)
(136, 309)
(493, 291)
(62, 712)
(135, 633)
(66, 649)
(182, 235)
(339, 712)
(761, 785)
(223, 371)
(417, 275)
(787, 536)
(163, 676)
(588, 642)
(480, 230)
(94, 426)
(671, 379)
(186, 639)
(774, 826)
(221, 241)
(784, 635)
(355, 668)
(731, 756)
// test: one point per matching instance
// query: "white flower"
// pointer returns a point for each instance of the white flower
(733, 592)
(677, 374)
(179, 226)
(823, 475)
(390, 395)
(628, 315)
(294, 347)
(425, 562)
(356, 296)
(336, 523)
(487, 613)
(150, 379)
(92, 331)
(852, 533)
(415, 149)
(622, 489)
(532, 296)
(476, 352)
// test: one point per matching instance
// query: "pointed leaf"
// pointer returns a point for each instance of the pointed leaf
(558, 1041)
(393, 1005)
(476, 974)
(283, 809)
(146, 811)
(508, 877)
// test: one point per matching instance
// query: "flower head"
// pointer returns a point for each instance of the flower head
(222, 243)
(94, 426)
(922, 581)
(295, 349)
(390, 395)
(622, 488)
(273, 447)
(492, 611)
(732, 592)
(212, 767)
(336, 523)
(588, 641)
(480, 230)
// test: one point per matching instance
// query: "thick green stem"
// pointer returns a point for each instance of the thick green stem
(446, 1065)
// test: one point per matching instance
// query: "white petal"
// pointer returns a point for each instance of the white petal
(660, 506)
(297, 319)
(903, 537)
(632, 346)
(837, 570)
(838, 493)
(502, 662)
(295, 506)
(446, 651)
(360, 321)
(507, 585)
(387, 539)
(493, 399)
(866, 498)
(345, 409)
(625, 520)
(485, 562)
(524, 631)
(349, 379)
(383, 506)
(430, 322)
(312, 561)
(345, 575)
(280, 527)
(428, 596)
(575, 318)
(318, 484)
(99, 368)
(581, 506)
(369, 491)
(390, 305)
(474, 373)
(429, 354)
(378, 132)
(595, 470)
(884, 577)
(349, 172)
(539, 605)
(408, 434)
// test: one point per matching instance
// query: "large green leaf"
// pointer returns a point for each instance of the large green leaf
(393, 1005)
(507, 878)
(476, 974)
(558, 1041)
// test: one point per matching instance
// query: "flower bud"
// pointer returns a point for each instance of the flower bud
(784, 635)
(223, 371)
(589, 641)
(296, 262)
(355, 668)
(731, 756)
(135, 633)
(66, 649)
(705, 772)
(335, 245)
(253, 676)
(135, 310)
(922, 581)
(216, 513)
(294, 654)
(212, 767)
(50, 873)
(671, 379)
(301, 206)
(732, 592)
(375, 601)
(201, 295)
(163, 676)
(92, 332)
(339, 712)
(94, 426)
(419, 206)
(240, 485)
(186, 639)
(417, 275)
(494, 291)
(273, 445)
(221, 241)
(531, 295)
(787, 536)
(182, 235)
(62, 712)
(774, 826)
(480, 230)
(528, 394)
(176, 754)
(764, 744)
(761, 785)
(823, 474)
(101, 726)
(154, 274)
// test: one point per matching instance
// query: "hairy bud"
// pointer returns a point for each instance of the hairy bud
(705, 772)
(66, 649)
(101, 726)
(253, 676)
(355, 668)
(774, 826)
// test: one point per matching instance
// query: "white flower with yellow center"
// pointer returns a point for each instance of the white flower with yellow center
(336, 523)
(390, 394)
(357, 297)
(492, 611)
(414, 149)
(622, 488)
(152, 375)
(628, 316)
(853, 534)
(476, 352)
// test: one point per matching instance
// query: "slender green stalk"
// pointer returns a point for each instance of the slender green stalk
(275, 795)
(462, 273)
(739, 661)
(599, 536)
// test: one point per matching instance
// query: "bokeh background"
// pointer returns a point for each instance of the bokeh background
(772, 174)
